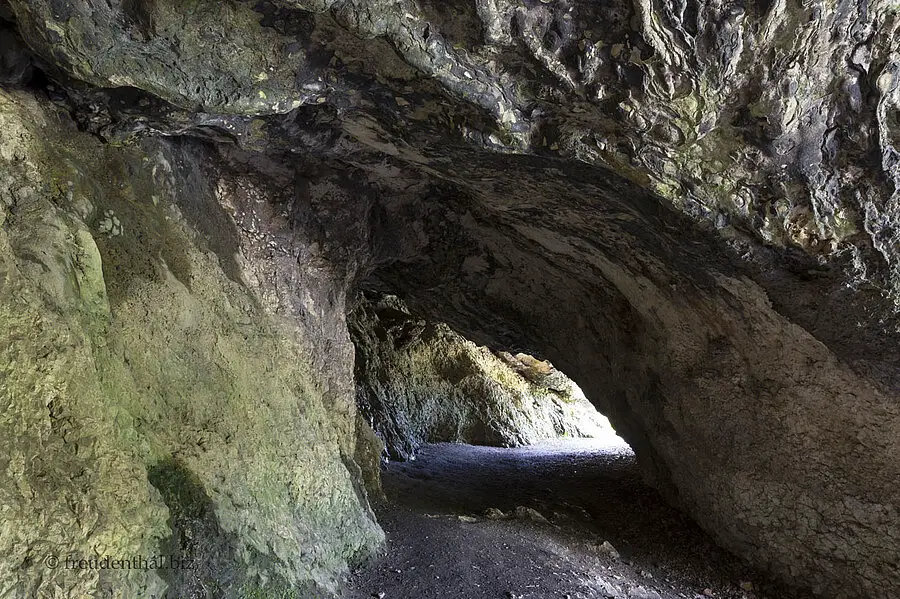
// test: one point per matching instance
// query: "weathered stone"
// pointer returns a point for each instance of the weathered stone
(419, 382)
(153, 405)
(607, 549)
(531, 514)
(689, 207)
(495, 514)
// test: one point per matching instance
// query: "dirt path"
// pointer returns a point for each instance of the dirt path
(441, 544)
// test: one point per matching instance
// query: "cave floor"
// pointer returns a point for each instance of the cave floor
(440, 543)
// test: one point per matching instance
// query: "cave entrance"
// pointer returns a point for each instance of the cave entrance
(420, 382)
(500, 479)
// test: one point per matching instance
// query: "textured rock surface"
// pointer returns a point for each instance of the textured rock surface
(151, 404)
(691, 208)
(419, 382)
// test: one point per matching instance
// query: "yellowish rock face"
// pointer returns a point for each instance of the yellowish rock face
(152, 404)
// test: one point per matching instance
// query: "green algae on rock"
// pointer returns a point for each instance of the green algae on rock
(689, 207)
(132, 365)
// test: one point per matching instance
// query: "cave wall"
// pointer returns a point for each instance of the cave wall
(161, 394)
(420, 382)
(690, 207)
(781, 450)
(780, 442)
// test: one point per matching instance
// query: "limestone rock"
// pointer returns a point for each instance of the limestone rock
(689, 207)
(607, 549)
(526, 513)
(421, 382)
(152, 404)
(642, 593)
(495, 514)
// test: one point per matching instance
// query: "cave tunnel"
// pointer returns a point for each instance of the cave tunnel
(256, 256)
(420, 382)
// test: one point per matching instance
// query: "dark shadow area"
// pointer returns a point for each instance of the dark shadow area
(577, 521)
(200, 556)
(202, 560)
(17, 64)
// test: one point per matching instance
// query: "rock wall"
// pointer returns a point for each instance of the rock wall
(783, 451)
(690, 207)
(419, 382)
(158, 396)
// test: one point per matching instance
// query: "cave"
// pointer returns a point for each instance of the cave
(420, 382)
(209, 210)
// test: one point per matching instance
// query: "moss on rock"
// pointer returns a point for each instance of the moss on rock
(152, 405)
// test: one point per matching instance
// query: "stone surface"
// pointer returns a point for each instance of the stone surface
(151, 404)
(495, 514)
(419, 382)
(690, 208)
(527, 513)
